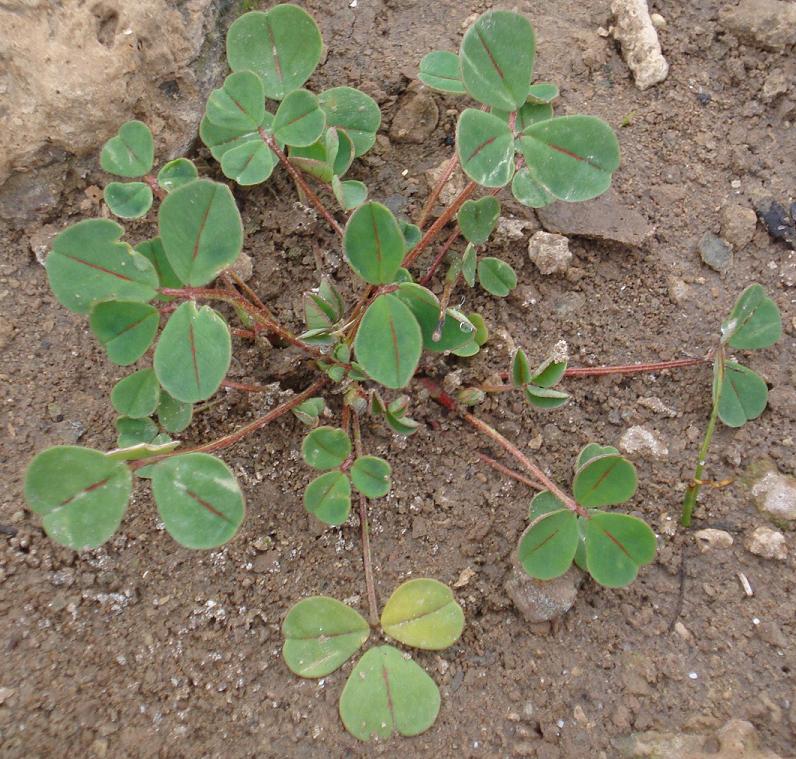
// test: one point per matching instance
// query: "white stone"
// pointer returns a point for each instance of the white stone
(550, 253)
(640, 46)
(641, 440)
(710, 539)
(768, 543)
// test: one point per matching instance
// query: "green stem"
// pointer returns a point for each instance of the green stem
(367, 558)
(691, 495)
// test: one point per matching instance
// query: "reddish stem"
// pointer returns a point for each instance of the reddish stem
(446, 401)
(159, 192)
(438, 187)
(510, 472)
(234, 437)
(594, 371)
(299, 180)
(367, 558)
(444, 248)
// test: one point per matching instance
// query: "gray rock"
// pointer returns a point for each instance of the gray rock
(711, 539)
(550, 252)
(452, 187)
(715, 252)
(604, 218)
(416, 118)
(774, 493)
(768, 543)
(643, 441)
(72, 73)
(641, 49)
(542, 601)
(737, 739)
(243, 266)
(769, 24)
(738, 225)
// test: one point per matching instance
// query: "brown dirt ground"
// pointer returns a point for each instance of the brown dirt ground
(144, 649)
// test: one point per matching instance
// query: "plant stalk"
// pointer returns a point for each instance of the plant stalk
(446, 401)
(437, 189)
(234, 437)
(367, 558)
(692, 493)
(503, 469)
(299, 180)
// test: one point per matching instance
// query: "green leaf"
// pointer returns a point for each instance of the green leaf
(543, 503)
(528, 191)
(373, 243)
(477, 219)
(130, 153)
(193, 353)
(128, 200)
(201, 230)
(754, 322)
(135, 431)
(153, 251)
(136, 395)
(310, 411)
(573, 157)
(328, 497)
(591, 451)
(142, 451)
(176, 173)
(173, 415)
(616, 546)
(496, 276)
(469, 263)
(221, 140)
(542, 92)
(424, 614)
(198, 499)
(604, 481)
(355, 112)
(321, 634)
(549, 372)
(440, 71)
(344, 155)
(743, 395)
(371, 476)
(282, 46)
(88, 264)
(401, 425)
(548, 546)
(350, 194)
(412, 236)
(520, 369)
(529, 114)
(299, 119)
(545, 397)
(239, 105)
(481, 331)
(456, 329)
(485, 146)
(80, 493)
(387, 692)
(318, 159)
(389, 342)
(125, 329)
(496, 56)
(249, 164)
(326, 448)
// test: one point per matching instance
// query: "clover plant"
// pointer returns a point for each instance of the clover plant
(739, 394)
(169, 305)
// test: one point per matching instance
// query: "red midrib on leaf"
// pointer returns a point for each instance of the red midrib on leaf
(569, 153)
(84, 491)
(616, 542)
(274, 53)
(209, 506)
(202, 224)
(489, 53)
(545, 541)
(379, 256)
(479, 148)
(390, 705)
(300, 117)
(132, 326)
(396, 350)
(192, 342)
(97, 267)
